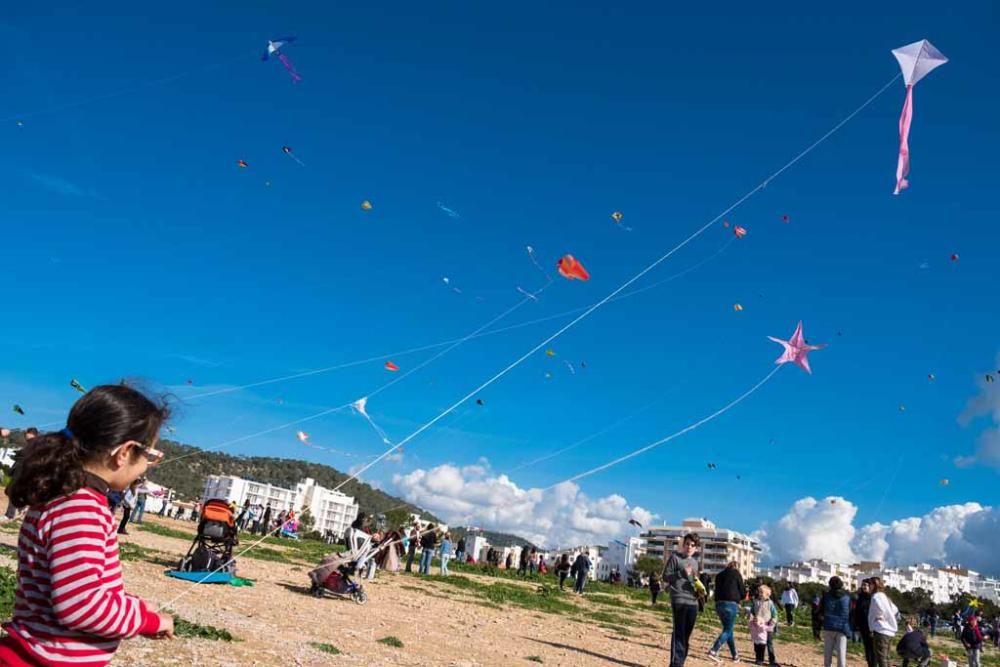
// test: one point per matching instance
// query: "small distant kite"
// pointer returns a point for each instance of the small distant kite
(449, 212)
(18, 409)
(360, 406)
(242, 164)
(366, 205)
(303, 437)
(785, 219)
(635, 523)
(571, 269)
(954, 257)
(550, 352)
(76, 385)
(833, 501)
(902, 408)
(391, 367)
(989, 378)
(548, 376)
(916, 61)
(944, 482)
(480, 402)
(796, 349)
(447, 281)
(20, 123)
(189, 381)
(617, 217)
(738, 308)
(287, 150)
(930, 376)
(739, 232)
(711, 466)
(570, 367)
(274, 47)
(725, 223)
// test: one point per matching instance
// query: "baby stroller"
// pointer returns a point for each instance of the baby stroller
(212, 548)
(335, 573)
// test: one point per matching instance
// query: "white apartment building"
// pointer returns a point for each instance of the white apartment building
(331, 510)
(719, 546)
(986, 588)
(816, 571)
(476, 546)
(623, 555)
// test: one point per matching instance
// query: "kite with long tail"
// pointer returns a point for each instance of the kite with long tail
(916, 61)
(274, 47)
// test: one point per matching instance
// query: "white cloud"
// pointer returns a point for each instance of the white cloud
(562, 516)
(984, 404)
(966, 534)
(812, 529)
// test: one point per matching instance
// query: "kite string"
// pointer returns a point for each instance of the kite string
(627, 283)
(687, 429)
(431, 346)
(377, 391)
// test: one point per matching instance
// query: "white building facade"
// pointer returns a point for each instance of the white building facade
(331, 510)
(623, 555)
(719, 546)
(592, 552)
(815, 571)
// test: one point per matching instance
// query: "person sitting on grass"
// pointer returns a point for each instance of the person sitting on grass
(70, 604)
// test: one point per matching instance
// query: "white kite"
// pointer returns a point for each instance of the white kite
(916, 61)
(360, 406)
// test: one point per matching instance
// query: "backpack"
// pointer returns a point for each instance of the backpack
(115, 499)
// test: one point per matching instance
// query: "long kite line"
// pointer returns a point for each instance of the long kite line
(121, 91)
(491, 332)
(375, 392)
(701, 230)
(687, 429)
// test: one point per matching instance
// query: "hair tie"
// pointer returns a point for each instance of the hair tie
(68, 433)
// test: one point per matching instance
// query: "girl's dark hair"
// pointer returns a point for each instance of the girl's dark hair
(52, 464)
(359, 522)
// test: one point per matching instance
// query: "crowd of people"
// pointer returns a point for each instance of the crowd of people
(71, 605)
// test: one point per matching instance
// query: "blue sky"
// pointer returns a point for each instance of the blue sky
(135, 246)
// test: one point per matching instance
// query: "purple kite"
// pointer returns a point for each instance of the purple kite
(274, 49)
(796, 350)
(916, 61)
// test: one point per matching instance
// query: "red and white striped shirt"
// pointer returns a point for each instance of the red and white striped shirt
(71, 607)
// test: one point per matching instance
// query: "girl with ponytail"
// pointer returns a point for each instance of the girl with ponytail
(70, 605)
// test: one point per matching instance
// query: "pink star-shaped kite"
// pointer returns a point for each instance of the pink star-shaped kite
(796, 349)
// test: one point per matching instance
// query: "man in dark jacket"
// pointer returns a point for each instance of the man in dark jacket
(835, 608)
(460, 551)
(913, 646)
(581, 571)
(411, 548)
(427, 542)
(680, 574)
(859, 620)
(730, 591)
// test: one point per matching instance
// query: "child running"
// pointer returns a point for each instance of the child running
(70, 606)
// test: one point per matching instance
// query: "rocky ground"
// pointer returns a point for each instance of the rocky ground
(465, 621)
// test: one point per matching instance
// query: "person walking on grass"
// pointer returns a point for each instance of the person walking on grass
(445, 554)
(128, 505)
(790, 601)
(522, 562)
(460, 550)
(835, 617)
(679, 574)
(427, 543)
(532, 561)
(882, 622)
(972, 640)
(730, 591)
(562, 569)
(654, 588)
(860, 621)
(763, 620)
(581, 571)
(913, 646)
(140, 502)
(411, 548)
(70, 605)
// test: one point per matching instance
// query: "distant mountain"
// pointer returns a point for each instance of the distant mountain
(187, 476)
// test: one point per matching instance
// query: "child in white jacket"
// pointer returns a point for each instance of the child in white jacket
(882, 622)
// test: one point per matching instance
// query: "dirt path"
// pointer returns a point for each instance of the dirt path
(438, 623)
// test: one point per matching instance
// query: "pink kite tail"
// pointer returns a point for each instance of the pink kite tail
(289, 66)
(903, 166)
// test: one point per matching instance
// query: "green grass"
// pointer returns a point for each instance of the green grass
(325, 648)
(609, 600)
(624, 632)
(272, 555)
(8, 584)
(394, 642)
(164, 531)
(184, 628)
(544, 598)
(611, 619)
(132, 551)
